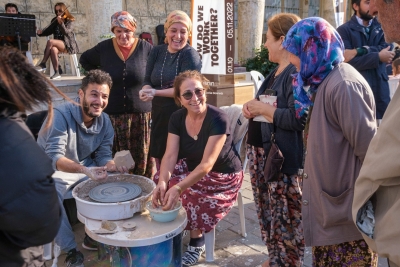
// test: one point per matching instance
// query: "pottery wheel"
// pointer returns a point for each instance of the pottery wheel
(115, 192)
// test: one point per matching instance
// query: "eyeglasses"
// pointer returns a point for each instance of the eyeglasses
(199, 92)
(58, 11)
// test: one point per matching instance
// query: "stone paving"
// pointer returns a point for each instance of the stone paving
(231, 249)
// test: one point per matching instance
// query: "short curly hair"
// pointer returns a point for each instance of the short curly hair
(97, 77)
(189, 74)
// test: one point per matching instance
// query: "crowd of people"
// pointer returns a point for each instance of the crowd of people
(335, 191)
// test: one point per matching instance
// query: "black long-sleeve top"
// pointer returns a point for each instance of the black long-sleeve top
(288, 129)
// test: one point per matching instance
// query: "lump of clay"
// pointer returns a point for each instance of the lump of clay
(129, 226)
(108, 225)
(124, 158)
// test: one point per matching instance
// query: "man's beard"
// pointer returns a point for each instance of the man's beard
(365, 16)
(86, 109)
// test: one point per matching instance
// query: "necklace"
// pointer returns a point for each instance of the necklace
(196, 136)
(176, 65)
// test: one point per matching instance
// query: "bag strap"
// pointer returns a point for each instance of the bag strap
(307, 126)
(272, 128)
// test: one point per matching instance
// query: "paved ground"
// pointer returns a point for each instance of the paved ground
(231, 249)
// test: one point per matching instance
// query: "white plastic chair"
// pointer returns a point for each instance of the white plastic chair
(258, 79)
(238, 129)
(73, 61)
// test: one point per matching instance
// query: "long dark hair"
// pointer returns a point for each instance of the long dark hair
(22, 87)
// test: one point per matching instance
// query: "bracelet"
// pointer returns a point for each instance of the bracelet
(178, 188)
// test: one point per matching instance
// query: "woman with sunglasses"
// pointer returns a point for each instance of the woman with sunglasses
(200, 133)
(64, 38)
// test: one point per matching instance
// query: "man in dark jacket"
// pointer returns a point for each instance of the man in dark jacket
(367, 51)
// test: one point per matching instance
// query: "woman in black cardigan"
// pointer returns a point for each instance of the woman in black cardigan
(124, 57)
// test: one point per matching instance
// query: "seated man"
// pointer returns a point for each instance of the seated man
(11, 8)
(80, 141)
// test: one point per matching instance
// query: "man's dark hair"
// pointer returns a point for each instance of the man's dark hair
(10, 5)
(357, 2)
(97, 77)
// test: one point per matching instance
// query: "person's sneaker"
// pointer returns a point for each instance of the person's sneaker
(74, 258)
(55, 76)
(192, 255)
(41, 67)
(89, 243)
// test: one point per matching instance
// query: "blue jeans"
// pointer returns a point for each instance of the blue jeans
(65, 238)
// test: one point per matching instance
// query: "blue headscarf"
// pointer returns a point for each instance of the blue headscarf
(320, 48)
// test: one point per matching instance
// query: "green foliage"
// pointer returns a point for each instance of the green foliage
(260, 62)
(106, 36)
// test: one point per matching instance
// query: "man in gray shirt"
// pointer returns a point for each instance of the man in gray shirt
(80, 141)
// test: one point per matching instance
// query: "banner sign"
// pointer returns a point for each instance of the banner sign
(213, 35)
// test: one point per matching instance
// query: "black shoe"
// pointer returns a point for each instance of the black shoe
(74, 258)
(89, 243)
(60, 69)
(41, 67)
(55, 76)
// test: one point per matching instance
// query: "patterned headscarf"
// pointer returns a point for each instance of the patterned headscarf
(124, 20)
(320, 48)
(178, 16)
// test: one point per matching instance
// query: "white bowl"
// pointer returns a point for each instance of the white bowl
(160, 215)
(113, 211)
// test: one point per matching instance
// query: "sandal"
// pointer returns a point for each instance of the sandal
(192, 255)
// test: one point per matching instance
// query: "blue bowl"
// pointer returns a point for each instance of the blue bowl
(159, 215)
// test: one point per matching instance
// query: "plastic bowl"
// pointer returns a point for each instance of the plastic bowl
(159, 215)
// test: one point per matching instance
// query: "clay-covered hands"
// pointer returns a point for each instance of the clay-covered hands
(95, 173)
(167, 200)
(147, 94)
(112, 167)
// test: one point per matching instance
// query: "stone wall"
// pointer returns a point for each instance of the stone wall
(149, 14)
(93, 17)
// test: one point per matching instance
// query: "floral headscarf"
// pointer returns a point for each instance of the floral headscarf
(178, 16)
(320, 48)
(124, 20)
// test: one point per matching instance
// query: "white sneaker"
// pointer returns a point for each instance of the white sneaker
(192, 255)
(55, 76)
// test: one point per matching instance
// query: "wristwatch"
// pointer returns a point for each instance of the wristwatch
(361, 51)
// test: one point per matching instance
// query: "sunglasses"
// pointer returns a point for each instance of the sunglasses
(189, 94)
(58, 11)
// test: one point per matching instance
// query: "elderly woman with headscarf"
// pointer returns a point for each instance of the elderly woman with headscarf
(124, 57)
(340, 125)
(165, 63)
